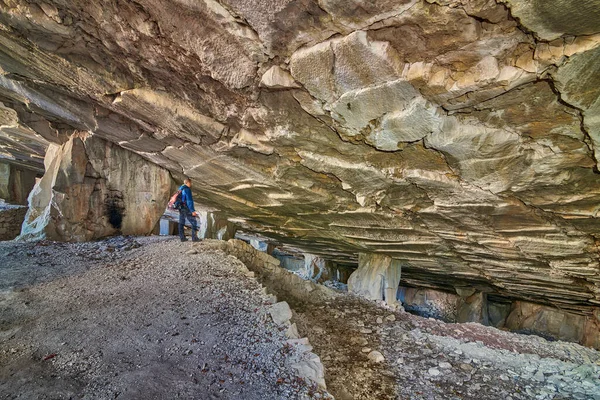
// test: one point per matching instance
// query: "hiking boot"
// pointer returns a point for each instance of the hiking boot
(183, 240)
(196, 240)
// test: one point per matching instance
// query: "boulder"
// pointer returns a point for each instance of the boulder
(280, 312)
(92, 189)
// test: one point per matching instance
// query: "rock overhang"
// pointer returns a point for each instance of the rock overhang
(458, 137)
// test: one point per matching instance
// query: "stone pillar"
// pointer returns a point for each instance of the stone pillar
(216, 226)
(314, 266)
(377, 278)
(92, 189)
(472, 306)
(15, 183)
(591, 335)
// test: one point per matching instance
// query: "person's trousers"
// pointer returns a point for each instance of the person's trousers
(184, 214)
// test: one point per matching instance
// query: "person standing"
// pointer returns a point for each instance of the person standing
(187, 211)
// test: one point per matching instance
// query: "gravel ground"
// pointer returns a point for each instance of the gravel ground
(137, 318)
(429, 359)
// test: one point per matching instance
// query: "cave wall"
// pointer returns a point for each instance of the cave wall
(92, 189)
(16, 183)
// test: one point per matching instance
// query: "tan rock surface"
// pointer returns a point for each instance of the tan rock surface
(89, 192)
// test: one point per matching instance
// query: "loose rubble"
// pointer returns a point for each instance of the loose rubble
(373, 351)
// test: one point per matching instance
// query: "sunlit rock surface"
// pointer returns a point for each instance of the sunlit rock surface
(459, 137)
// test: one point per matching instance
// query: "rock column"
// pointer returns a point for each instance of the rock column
(15, 183)
(377, 278)
(472, 306)
(93, 188)
(215, 226)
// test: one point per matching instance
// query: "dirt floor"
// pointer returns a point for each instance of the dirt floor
(138, 318)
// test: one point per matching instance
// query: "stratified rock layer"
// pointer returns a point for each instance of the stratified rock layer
(459, 137)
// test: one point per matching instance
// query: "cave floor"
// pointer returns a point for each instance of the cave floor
(138, 318)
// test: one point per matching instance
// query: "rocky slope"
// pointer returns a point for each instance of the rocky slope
(460, 137)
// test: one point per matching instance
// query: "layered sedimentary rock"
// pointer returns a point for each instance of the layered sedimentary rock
(92, 189)
(458, 137)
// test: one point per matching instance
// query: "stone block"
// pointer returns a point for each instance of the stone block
(92, 189)
(377, 278)
(280, 312)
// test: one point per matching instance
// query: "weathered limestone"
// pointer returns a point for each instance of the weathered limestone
(93, 189)
(377, 278)
(16, 183)
(548, 321)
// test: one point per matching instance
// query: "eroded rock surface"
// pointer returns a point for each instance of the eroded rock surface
(92, 189)
(460, 137)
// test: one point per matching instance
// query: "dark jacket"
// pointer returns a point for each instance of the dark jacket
(186, 198)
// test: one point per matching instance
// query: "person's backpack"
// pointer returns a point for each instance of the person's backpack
(176, 202)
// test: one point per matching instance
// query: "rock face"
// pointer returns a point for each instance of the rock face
(11, 219)
(459, 137)
(429, 303)
(377, 278)
(547, 321)
(16, 183)
(93, 188)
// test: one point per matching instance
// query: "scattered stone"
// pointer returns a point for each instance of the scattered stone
(280, 312)
(375, 356)
(433, 371)
(292, 332)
